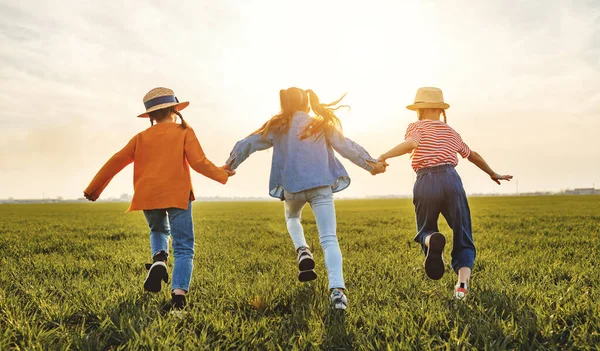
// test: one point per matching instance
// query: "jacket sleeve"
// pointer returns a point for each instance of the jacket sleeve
(350, 150)
(113, 166)
(244, 148)
(198, 161)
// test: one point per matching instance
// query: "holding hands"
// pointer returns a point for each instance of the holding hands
(378, 167)
(230, 172)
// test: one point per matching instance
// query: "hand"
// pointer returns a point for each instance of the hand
(378, 167)
(383, 159)
(89, 197)
(497, 177)
(230, 172)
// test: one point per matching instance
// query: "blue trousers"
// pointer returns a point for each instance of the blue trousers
(178, 224)
(438, 190)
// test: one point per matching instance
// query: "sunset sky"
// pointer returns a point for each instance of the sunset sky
(522, 79)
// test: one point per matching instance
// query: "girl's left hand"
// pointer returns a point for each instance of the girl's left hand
(497, 177)
(89, 197)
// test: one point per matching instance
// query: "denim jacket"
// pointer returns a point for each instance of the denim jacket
(300, 165)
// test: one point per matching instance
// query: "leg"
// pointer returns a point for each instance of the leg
(458, 215)
(159, 244)
(293, 205)
(321, 201)
(427, 195)
(159, 230)
(182, 230)
(427, 198)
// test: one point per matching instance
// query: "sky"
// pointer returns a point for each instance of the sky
(522, 79)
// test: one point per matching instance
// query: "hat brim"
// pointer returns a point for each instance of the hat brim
(420, 105)
(178, 106)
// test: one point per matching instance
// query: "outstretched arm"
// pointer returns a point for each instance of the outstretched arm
(399, 150)
(200, 163)
(352, 151)
(245, 147)
(113, 166)
(478, 161)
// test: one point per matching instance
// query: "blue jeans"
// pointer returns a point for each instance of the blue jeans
(321, 202)
(177, 223)
(439, 190)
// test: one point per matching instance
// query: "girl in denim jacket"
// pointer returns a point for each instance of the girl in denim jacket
(304, 170)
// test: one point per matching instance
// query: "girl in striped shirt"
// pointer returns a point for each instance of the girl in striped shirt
(438, 189)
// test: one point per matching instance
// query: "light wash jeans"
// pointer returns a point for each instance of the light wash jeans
(178, 224)
(321, 202)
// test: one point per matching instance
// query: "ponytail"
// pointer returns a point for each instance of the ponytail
(445, 119)
(184, 124)
(327, 121)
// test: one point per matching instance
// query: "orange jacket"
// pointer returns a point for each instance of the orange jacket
(162, 156)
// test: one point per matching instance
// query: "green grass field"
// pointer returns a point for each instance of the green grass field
(71, 278)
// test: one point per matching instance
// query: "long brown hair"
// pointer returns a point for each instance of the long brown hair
(295, 99)
(160, 115)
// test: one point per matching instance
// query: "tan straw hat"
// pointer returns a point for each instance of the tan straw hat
(158, 98)
(428, 97)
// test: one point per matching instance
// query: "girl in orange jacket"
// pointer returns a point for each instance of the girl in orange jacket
(162, 156)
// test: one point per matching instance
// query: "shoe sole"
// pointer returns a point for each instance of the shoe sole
(306, 276)
(306, 263)
(434, 263)
(156, 274)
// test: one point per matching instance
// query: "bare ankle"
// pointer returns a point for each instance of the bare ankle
(179, 292)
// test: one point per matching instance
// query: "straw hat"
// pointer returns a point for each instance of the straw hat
(158, 98)
(428, 97)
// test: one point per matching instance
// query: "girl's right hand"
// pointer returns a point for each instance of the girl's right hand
(89, 197)
(497, 177)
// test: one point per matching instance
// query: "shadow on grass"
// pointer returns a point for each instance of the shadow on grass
(498, 321)
(336, 336)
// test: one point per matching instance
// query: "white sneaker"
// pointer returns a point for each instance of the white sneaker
(338, 300)
(460, 291)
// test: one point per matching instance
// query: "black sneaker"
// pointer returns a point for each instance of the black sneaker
(306, 276)
(305, 259)
(156, 272)
(178, 302)
(306, 265)
(434, 261)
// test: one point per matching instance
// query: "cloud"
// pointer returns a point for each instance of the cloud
(72, 75)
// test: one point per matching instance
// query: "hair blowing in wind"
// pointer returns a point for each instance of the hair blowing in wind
(296, 99)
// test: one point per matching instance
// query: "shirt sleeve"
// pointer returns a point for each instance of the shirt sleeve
(113, 166)
(351, 150)
(463, 149)
(198, 161)
(246, 147)
(413, 132)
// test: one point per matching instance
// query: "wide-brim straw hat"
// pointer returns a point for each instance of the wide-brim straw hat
(428, 97)
(159, 98)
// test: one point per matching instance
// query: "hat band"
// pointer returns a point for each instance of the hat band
(160, 100)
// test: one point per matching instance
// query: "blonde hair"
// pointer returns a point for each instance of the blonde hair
(295, 99)
(420, 115)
